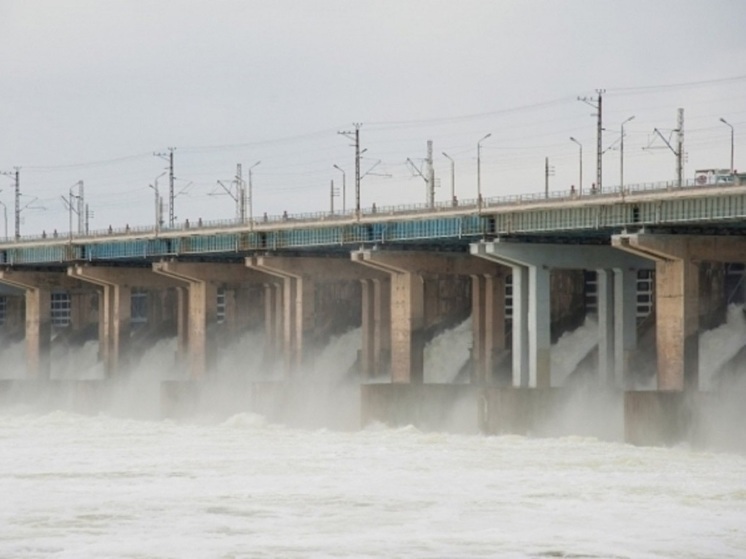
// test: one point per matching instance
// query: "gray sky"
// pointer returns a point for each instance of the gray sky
(90, 89)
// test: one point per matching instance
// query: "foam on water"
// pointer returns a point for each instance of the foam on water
(79, 487)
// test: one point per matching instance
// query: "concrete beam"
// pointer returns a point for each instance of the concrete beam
(202, 281)
(38, 287)
(677, 297)
(531, 264)
(300, 276)
(116, 285)
(691, 247)
(406, 270)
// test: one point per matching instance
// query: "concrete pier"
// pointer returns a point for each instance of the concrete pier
(303, 279)
(531, 264)
(38, 286)
(407, 272)
(116, 284)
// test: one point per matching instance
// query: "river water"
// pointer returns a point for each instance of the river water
(76, 486)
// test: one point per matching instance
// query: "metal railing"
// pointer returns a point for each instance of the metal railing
(271, 222)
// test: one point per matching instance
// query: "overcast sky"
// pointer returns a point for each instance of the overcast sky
(90, 89)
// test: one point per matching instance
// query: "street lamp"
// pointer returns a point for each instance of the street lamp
(251, 196)
(732, 144)
(621, 156)
(5, 218)
(479, 170)
(580, 182)
(453, 179)
(344, 188)
(158, 219)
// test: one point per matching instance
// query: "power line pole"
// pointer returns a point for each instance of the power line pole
(241, 193)
(171, 196)
(430, 174)
(17, 185)
(548, 172)
(680, 154)
(598, 105)
(355, 136)
(429, 178)
(679, 151)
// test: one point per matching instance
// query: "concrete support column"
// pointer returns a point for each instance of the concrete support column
(677, 259)
(406, 272)
(488, 323)
(38, 287)
(478, 326)
(38, 332)
(198, 305)
(407, 320)
(625, 324)
(539, 322)
(300, 276)
(531, 297)
(677, 316)
(273, 323)
(521, 369)
(182, 323)
(367, 351)
(381, 325)
(606, 325)
(494, 323)
(115, 307)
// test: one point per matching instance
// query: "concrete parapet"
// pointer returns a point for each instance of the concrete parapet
(426, 406)
(182, 399)
(702, 419)
(517, 411)
(79, 396)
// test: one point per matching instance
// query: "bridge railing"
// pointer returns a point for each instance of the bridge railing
(459, 206)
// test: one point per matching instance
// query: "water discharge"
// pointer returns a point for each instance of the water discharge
(128, 484)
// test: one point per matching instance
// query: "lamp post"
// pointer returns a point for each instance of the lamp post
(5, 218)
(580, 180)
(154, 186)
(453, 178)
(732, 144)
(251, 196)
(344, 188)
(621, 156)
(479, 170)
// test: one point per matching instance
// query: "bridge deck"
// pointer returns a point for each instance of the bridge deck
(716, 208)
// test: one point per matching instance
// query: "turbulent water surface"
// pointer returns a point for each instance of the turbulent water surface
(76, 486)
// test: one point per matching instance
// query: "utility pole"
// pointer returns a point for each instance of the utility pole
(332, 194)
(241, 194)
(171, 196)
(453, 179)
(88, 216)
(732, 146)
(598, 105)
(344, 187)
(679, 151)
(355, 136)
(5, 219)
(621, 155)
(251, 195)
(428, 176)
(16, 175)
(77, 208)
(548, 172)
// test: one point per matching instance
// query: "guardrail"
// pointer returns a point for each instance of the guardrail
(402, 210)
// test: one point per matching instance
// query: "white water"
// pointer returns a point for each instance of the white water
(73, 486)
(89, 487)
